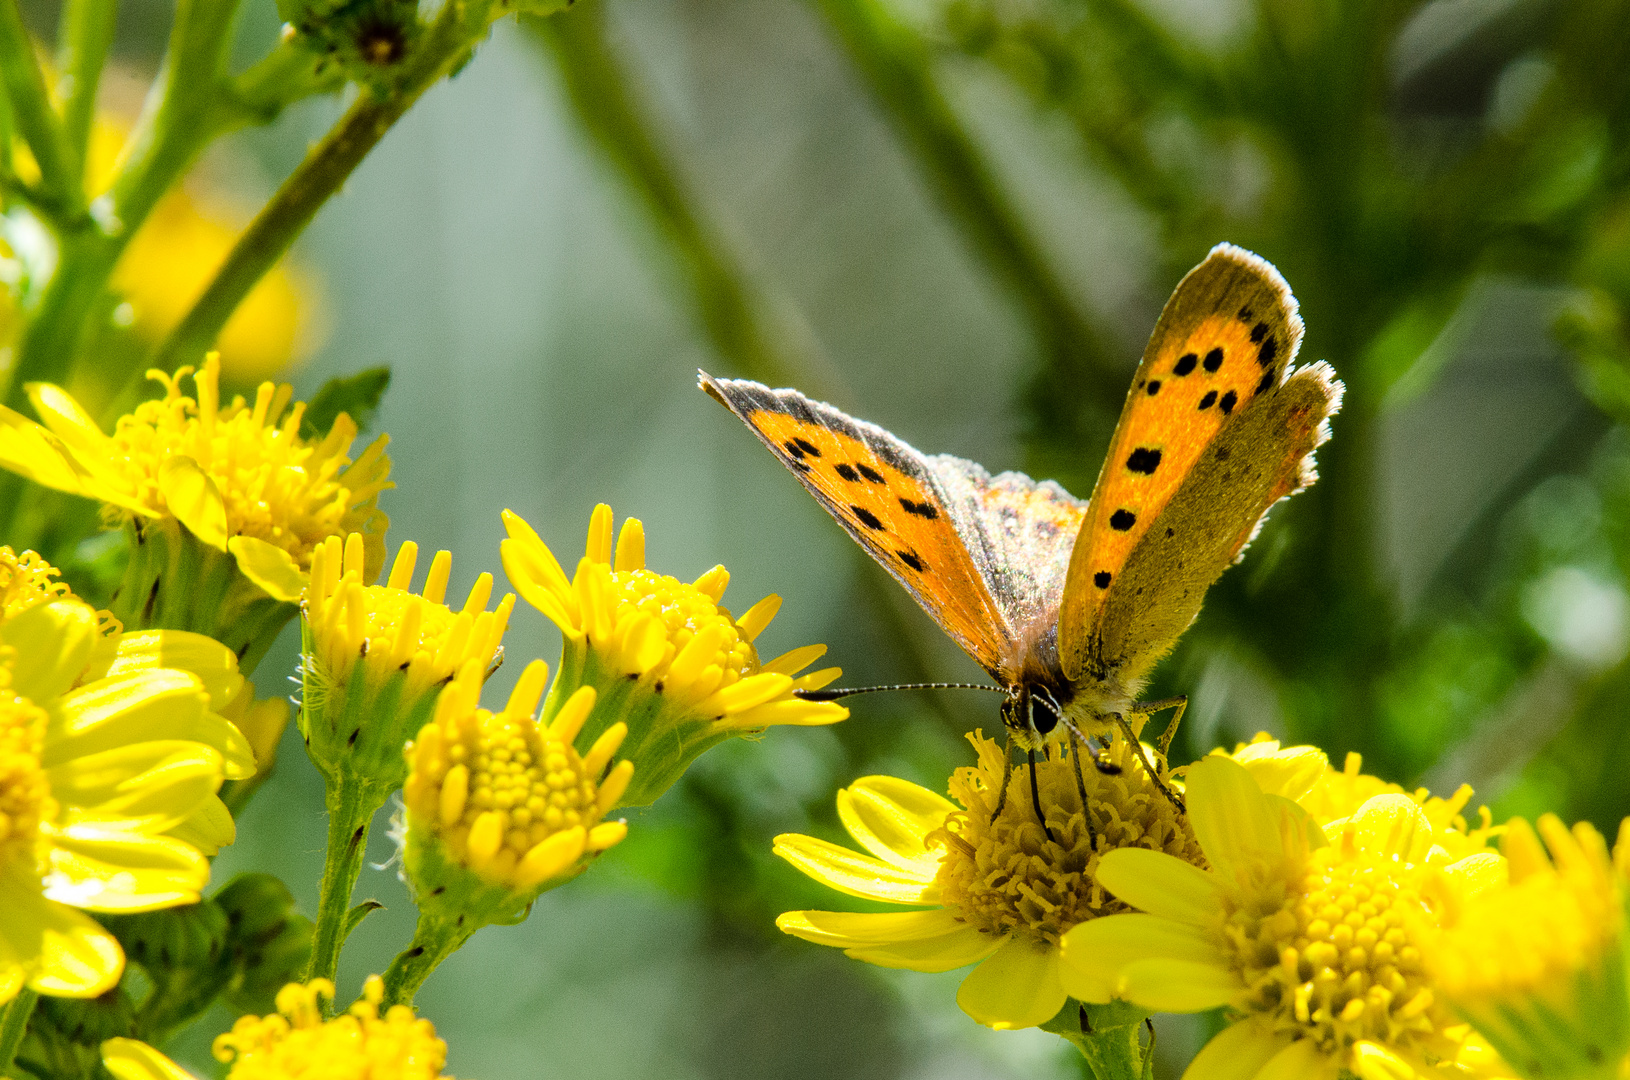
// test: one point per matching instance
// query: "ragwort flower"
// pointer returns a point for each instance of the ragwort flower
(1315, 945)
(225, 503)
(1000, 893)
(97, 776)
(1538, 965)
(663, 656)
(296, 1043)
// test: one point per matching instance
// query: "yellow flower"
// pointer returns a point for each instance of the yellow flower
(999, 893)
(98, 775)
(664, 656)
(27, 580)
(1538, 965)
(505, 797)
(239, 477)
(377, 655)
(1338, 795)
(1314, 944)
(296, 1043)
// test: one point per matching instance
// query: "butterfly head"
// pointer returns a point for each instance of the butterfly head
(1033, 716)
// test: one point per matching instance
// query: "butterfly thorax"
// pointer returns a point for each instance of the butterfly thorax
(1044, 705)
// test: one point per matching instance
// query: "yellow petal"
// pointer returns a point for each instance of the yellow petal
(1017, 986)
(54, 643)
(1095, 953)
(66, 953)
(1298, 1061)
(855, 874)
(1177, 986)
(104, 869)
(790, 663)
(1392, 825)
(1160, 884)
(1237, 1052)
(29, 450)
(205, 657)
(161, 780)
(1232, 820)
(1475, 873)
(161, 704)
(847, 929)
(270, 567)
(194, 500)
(959, 948)
(209, 828)
(891, 818)
(1372, 1061)
(1289, 771)
(748, 693)
(131, 1059)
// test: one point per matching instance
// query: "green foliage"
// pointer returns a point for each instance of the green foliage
(357, 396)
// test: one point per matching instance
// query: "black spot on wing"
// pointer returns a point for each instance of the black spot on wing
(1101, 579)
(1213, 360)
(1266, 383)
(848, 473)
(912, 560)
(1228, 402)
(1122, 519)
(1143, 460)
(1154, 388)
(808, 447)
(792, 447)
(1258, 332)
(921, 509)
(869, 473)
(1266, 354)
(866, 517)
(1245, 314)
(1185, 364)
(1209, 400)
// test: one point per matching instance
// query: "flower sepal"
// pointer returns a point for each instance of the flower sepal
(177, 581)
(1107, 1036)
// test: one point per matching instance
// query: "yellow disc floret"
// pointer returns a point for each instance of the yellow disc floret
(27, 580)
(508, 798)
(1008, 874)
(295, 1043)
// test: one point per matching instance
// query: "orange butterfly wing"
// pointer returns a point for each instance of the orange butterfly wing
(885, 495)
(1225, 337)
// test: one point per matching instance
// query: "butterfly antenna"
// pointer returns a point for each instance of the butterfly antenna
(834, 695)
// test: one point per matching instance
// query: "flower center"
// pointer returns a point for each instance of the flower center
(685, 612)
(26, 580)
(296, 1042)
(276, 486)
(1006, 874)
(1334, 961)
(25, 792)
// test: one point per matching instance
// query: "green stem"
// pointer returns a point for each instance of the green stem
(434, 940)
(352, 803)
(31, 106)
(897, 66)
(318, 177)
(85, 36)
(1107, 1037)
(13, 1025)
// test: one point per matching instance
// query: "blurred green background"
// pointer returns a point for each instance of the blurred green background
(959, 219)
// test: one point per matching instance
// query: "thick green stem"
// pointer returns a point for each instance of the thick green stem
(434, 940)
(1107, 1037)
(86, 36)
(13, 1025)
(352, 803)
(325, 169)
(35, 119)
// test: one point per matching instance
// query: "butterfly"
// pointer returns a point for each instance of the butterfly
(1068, 605)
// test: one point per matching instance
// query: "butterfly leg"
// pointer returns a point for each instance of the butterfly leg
(1149, 708)
(1143, 756)
(1035, 796)
(1078, 746)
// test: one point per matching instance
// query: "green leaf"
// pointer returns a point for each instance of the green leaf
(354, 917)
(356, 395)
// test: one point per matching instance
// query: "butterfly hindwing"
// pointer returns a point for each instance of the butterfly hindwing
(1263, 456)
(1224, 339)
(886, 495)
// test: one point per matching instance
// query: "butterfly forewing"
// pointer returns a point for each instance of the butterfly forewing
(886, 496)
(1261, 457)
(1223, 341)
